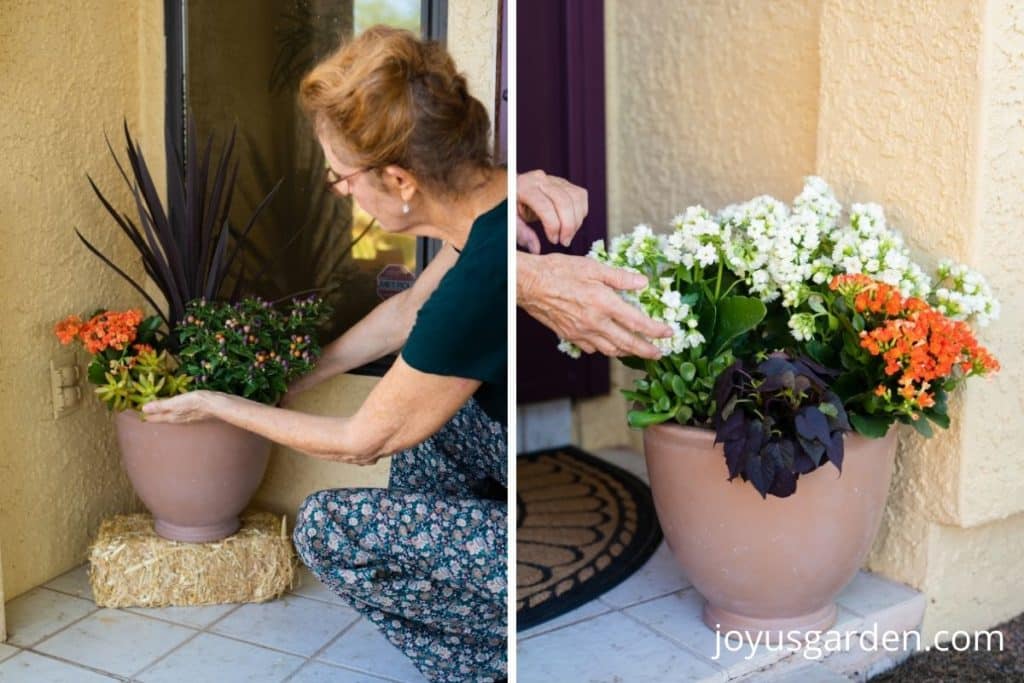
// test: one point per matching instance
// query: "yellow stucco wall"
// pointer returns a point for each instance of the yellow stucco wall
(919, 112)
(701, 107)
(69, 72)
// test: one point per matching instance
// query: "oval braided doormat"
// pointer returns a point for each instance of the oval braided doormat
(583, 526)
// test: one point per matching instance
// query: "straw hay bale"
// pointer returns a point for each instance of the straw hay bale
(130, 566)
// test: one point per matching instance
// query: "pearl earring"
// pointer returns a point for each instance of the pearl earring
(405, 207)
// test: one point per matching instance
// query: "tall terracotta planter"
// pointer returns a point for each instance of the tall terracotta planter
(195, 478)
(767, 565)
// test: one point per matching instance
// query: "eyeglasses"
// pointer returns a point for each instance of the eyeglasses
(331, 178)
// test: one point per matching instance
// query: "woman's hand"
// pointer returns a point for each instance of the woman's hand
(576, 297)
(559, 205)
(194, 406)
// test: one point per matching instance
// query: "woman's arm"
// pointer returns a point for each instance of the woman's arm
(383, 331)
(403, 409)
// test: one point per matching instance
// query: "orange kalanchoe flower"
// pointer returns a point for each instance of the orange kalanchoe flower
(67, 329)
(917, 342)
(110, 330)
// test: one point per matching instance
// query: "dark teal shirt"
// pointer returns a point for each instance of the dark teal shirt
(462, 329)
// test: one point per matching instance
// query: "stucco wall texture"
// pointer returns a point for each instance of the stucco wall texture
(706, 102)
(912, 105)
(59, 478)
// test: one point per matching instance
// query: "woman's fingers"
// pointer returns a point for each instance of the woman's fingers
(559, 205)
(526, 237)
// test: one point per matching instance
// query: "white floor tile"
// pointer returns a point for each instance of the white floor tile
(29, 667)
(194, 617)
(365, 648)
(585, 611)
(292, 623)
(869, 593)
(318, 672)
(627, 459)
(678, 617)
(612, 647)
(7, 651)
(309, 586)
(660, 576)
(115, 641)
(74, 582)
(40, 613)
(213, 658)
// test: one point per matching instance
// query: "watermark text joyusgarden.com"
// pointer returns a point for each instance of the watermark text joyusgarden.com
(819, 644)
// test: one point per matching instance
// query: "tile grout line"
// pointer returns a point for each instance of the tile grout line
(63, 628)
(326, 645)
(165, 655)
(610, 609)
(78, 665)
(681, 645)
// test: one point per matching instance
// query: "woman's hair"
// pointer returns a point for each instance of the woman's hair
(390, 98)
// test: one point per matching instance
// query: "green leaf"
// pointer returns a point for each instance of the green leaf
(828, 409)
(678, 385)
(923, 427)
(871, 426)
(684, 414)
(97, 371)
(816, 303)
(657, 391)
(663, 404)
(941, 419)
(735, 316)
(638, 419)
(858, 322)
(687, 371)
(147, 329)
(635, 395)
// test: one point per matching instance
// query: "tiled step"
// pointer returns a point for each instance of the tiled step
(57, 633)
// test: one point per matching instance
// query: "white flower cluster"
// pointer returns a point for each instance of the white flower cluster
(802, 326)
(774, 251)
(697, 238)
(663, 303)
(782, 253)
(963, 294)
(867, 245)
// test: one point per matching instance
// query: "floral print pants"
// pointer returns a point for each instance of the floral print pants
(425, 559)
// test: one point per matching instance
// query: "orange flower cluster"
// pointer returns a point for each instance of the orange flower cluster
(871, 296)
(916, 342)
(109, 329)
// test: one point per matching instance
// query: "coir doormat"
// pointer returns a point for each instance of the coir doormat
(583, 526)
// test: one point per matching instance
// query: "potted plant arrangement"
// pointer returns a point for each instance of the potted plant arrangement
(194, 478)
(802, 335)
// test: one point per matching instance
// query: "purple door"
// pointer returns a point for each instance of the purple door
(560, 119)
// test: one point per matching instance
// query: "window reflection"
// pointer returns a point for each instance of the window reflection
(244, 61)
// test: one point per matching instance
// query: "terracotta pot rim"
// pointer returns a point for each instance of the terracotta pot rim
(706, 435)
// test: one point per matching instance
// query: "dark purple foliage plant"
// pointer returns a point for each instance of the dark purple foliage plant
(778, 420)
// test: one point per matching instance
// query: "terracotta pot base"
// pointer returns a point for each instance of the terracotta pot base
(196, 534)
(771, 564)
(771, 630)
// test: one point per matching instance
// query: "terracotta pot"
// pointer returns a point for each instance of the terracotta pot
(195, 478)
(767, 565)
